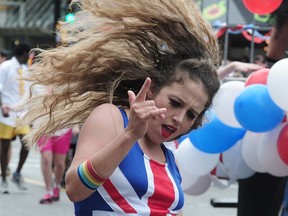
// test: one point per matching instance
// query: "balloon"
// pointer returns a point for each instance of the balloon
(187, 180)
(277, 83)
(182, 138)
(282, 144)
(193, 162)
(258, 77)
(234, 164)
(223, 103)
(255, 110)
(215, 137)
(231, 167)
(262, 7)
(209, 115)
(250, 143)
(201, 185)
(268, 153)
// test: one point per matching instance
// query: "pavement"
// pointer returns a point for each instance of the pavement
(27, 203)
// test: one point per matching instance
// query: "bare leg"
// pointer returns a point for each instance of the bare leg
(9, 155)
(23, 155)
(5, 145)
(46, 166)
(59, 168)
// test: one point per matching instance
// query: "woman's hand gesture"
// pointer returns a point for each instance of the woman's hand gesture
(142, 111)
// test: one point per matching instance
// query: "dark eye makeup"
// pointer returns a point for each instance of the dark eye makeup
(175, 103)
(191, 115)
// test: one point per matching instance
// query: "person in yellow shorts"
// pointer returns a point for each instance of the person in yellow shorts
(12, 90)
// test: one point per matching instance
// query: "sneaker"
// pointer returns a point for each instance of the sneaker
(4, 187)
(56, 194)
(47, 199)
(17, 179)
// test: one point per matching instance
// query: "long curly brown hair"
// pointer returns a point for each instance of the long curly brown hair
(111, 47)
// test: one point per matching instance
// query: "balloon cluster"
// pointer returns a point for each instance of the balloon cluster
(246, 132)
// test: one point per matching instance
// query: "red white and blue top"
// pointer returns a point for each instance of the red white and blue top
(138, 186)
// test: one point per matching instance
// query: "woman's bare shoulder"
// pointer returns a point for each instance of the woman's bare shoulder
(106, 116)
(106, 109)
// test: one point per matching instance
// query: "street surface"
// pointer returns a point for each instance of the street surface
(27, 203)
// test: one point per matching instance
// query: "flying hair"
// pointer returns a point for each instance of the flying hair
(110, 48)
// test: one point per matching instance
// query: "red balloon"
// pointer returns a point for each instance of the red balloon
(258, 77)
(282, 144)
(262, 7)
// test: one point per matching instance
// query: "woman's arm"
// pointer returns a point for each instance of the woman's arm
(104, 141)
(102, 138)
(237, 66)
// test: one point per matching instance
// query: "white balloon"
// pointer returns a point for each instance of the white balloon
(223, 103)
(277, 83)
(188, 180)
(250, 143)
(268, 153)
(234, 164)
(202, 184)
(194, 162)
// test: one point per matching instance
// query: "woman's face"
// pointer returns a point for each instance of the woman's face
(184, 102)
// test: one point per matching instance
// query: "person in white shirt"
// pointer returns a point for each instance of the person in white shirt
(3, 55)
(12, 90)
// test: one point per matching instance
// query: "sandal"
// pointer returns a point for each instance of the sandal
(47, 199)
(56, 194)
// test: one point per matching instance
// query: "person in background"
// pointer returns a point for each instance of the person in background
(263, 194)
(3, 55)
(144, 72)
(260, 60)
(12, 91)
(278, 43)
(53, 154)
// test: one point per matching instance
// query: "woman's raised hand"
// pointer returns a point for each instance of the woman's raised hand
(142, 111)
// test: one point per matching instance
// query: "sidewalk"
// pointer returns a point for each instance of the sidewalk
(200, 205)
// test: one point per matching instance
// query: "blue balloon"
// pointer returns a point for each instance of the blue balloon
(215, 137)
(209, 115)
(183, 138)
(255, 110)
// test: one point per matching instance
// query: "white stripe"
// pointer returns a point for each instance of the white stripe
(119, 181)
(150, 177)
(176, 192)
(109, 201)
(105, 213)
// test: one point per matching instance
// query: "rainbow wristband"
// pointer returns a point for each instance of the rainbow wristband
(89, 177)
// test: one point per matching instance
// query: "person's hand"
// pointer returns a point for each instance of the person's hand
(142, 111)
(5, 110)
(245, 67)
(237, 66)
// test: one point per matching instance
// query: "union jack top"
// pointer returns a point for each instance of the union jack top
(138, 186)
